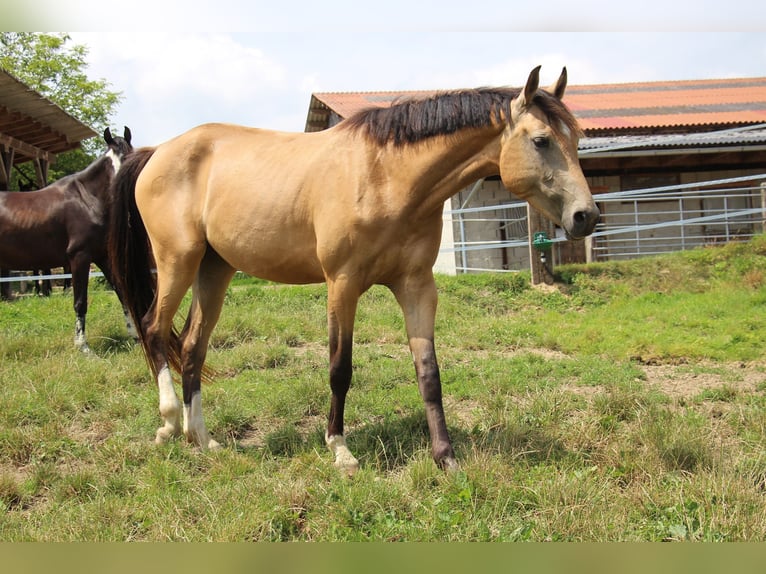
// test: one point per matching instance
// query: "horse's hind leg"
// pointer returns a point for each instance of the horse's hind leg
(172, 284)
(209, 291)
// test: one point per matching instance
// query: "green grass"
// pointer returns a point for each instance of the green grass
(627, 404)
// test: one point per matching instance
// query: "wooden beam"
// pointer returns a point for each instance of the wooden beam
(26, 149)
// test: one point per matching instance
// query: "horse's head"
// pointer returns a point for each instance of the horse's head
(538, 159)
(119, 146)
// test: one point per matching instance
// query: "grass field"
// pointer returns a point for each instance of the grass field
(628, 403)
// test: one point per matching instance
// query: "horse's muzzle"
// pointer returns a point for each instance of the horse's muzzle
(583, 222)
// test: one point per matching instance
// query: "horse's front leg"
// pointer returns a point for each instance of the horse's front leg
(80, 267)
(341, 311)
(417, 297)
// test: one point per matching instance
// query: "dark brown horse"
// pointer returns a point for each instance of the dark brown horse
(355, 205)
(64, 225)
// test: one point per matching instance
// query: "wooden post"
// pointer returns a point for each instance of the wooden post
(6, 164)
(41, 170)
(538, 222)
(763, 207)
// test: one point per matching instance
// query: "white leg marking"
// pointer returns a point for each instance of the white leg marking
(170, 407)
(344, 460)
(79, 335)
(194, 424)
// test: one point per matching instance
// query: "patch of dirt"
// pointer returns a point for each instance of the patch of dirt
(687, 381)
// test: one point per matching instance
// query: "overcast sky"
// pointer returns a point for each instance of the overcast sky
(262, 69)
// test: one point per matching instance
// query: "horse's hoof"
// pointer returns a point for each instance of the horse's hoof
(449, 464)
(347, 468)
(213, 445)
(164, 435)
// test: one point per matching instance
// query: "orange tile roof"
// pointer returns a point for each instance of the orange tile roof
(609, 107)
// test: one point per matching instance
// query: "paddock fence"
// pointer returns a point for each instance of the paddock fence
(633, 223)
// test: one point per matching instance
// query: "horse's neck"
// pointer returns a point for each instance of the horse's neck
(95, 178)
(445, 165)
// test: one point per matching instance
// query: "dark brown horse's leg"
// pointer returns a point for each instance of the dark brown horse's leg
(43, 286)
(5, 286)
(417, 297)
(103, 264)
(209, 291)
(341, 311)
(80, 266)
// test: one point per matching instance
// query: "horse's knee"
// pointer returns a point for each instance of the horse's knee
(429, 383)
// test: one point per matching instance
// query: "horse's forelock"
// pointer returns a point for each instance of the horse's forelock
(562, 121)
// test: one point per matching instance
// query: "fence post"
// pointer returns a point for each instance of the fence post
(541, 272)
(763, 206)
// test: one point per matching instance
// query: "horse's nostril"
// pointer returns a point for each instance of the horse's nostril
(583, 222)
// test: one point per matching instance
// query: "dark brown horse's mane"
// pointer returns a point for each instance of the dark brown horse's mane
(408, 121)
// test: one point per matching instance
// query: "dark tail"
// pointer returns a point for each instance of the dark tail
(130, 253)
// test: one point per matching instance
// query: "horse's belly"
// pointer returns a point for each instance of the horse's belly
(285, 260)
(29, 253)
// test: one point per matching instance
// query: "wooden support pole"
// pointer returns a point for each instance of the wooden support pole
(763, 207)
(541, 273)
(6, 164)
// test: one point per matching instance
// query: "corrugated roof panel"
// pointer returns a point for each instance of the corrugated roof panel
(751, 135)
(624, 106)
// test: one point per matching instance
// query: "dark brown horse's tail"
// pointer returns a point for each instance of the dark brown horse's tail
(130, 253)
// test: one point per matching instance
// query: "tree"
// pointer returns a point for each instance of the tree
(53, 66)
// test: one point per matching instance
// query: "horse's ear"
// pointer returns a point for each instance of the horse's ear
(560, 86)
(126, 134)
(108, 137)
(526, 96)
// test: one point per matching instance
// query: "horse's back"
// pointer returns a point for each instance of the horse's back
(242, 191)
(32, 234)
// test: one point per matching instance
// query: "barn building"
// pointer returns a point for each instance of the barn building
(668, 139)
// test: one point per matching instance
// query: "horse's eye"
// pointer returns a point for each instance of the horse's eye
(541, 142)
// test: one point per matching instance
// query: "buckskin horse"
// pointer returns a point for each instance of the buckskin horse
(355, 205)
(64, 225)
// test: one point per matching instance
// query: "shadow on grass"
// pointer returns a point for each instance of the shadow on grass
(393, 443)
(112, 344)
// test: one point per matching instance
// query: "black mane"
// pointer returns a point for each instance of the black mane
(413, 120)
